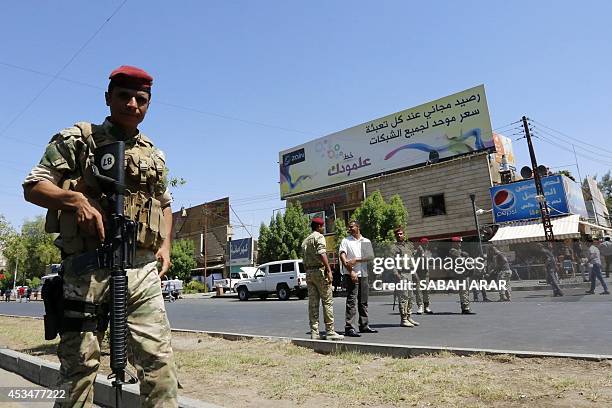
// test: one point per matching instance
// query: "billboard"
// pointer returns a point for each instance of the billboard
(503, 147)
(241, 252)
(516, 201)
(447, 127)
(599, 202)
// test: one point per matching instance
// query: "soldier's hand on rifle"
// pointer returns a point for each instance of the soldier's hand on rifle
(163, 256)
(90, 217)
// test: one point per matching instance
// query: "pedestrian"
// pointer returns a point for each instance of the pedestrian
(552, 269)
(21, 293)
(355, 253)
(319, 279)
(606, 251)
(64, 180)
(457, 253)
(7, 295)
(499, 268)
(421, 293)
(404, 250)
(28, 294)
(595, 261)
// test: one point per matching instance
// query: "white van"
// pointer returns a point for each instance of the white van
(285, 278)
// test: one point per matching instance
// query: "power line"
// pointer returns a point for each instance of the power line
(571, 138)
(62, 69)
(161, 102)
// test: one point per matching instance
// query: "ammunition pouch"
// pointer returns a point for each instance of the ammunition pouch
(95, 317)
(52, 295)
(147, 212)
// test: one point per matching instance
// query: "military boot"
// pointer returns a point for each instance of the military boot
(413, 322)
(420, 310)
(332, 335)
(314, 334)
(406, 323)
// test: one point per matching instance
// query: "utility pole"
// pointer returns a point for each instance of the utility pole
(205, 239)
(548, 230)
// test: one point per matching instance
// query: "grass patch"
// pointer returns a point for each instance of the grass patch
(253, 373)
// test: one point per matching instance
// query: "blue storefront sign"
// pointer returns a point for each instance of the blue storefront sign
(516, 201)
(241, 251)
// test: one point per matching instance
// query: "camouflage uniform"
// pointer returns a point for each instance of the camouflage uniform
(66, 163)
(464, 297)
(318, 287)
(406, 276)
(501, 269)
(422, 275)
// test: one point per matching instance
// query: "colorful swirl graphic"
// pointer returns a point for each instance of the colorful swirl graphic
(456, 144)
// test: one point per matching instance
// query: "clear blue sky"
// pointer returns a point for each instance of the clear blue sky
(238, 81)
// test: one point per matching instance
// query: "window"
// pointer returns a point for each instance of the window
(235, 275)
(289, 267)
(260, 272)
(301, 266)
(274, 268)
(433, 205)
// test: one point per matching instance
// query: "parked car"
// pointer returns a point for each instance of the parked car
(285, 278)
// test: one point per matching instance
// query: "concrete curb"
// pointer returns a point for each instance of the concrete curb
(395, 350)
(46, 374)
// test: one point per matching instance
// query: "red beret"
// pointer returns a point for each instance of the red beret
(132, 78)
(423, 240)
(318, 220)
(456, 239)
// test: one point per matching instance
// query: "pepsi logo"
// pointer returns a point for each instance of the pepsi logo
(504, 199)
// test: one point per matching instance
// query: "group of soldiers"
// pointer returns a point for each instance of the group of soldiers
(354, 253)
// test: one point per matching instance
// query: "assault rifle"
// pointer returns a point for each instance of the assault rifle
(116, 253)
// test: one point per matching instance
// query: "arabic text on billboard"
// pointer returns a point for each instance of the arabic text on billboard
(241, 251)
(450, 126)
(516, 201)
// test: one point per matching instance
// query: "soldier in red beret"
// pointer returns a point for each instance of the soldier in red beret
(64, 180)
(319, 279)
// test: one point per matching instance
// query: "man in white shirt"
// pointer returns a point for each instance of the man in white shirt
(595, 260)
(606, 251)
(355, 252)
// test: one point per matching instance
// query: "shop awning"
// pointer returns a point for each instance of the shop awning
(533, 231)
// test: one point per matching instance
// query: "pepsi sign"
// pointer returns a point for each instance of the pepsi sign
(517, 201)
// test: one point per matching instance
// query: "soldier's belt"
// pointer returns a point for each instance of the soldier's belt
(84, 263)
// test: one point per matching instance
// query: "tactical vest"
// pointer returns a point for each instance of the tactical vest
(144, 179)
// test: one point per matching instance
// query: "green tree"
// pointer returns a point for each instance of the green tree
(567, 174)
(282, 238)
(340, 232)
(33, 249)
(182, 259)
(378, 219)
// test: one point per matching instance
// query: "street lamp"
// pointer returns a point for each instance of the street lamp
(473, 198)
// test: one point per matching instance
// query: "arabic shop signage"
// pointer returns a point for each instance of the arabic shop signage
(241, 251)
(516, 201)
(451, 126)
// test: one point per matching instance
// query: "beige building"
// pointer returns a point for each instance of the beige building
(437, 196)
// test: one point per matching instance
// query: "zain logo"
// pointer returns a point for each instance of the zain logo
(504, 199)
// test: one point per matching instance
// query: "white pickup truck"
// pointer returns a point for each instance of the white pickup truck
(231, 283)
(285, 278)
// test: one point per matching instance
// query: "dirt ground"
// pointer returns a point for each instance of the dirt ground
(255, 373)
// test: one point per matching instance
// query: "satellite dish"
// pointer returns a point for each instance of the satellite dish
(542, 170)
(526, 172)
(434, 156)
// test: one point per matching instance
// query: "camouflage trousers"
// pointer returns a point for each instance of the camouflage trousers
(319, 290)
(421, 295)
(464, 294)
(149, 349)
(505, 276)
(404, 297)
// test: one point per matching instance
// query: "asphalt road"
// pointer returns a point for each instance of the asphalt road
(534, 321)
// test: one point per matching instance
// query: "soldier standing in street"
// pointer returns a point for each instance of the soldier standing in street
(552, 269)
(422, 275)
(404, 248)
(319, 279)
(64, 183)
(464, 297)
(499, 267)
